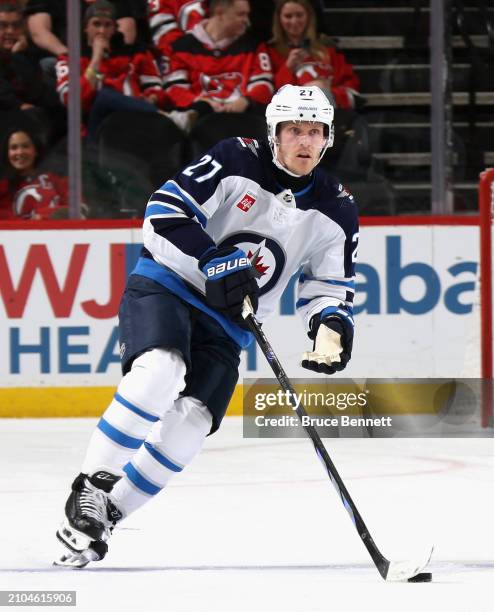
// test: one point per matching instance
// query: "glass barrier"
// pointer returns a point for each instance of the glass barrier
(33, 124)
(387, 44)
(372, 58)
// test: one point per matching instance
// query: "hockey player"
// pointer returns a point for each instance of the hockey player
(238, 222)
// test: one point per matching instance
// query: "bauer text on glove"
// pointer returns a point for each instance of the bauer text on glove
(229, 278)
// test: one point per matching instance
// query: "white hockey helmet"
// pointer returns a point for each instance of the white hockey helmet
(294, 103)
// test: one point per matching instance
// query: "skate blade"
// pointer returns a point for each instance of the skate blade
(76, 560)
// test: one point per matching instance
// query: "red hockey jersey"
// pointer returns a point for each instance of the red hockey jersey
(170, 19)
(40, 196)
(198, 70)
(131, 73)
(342, 79)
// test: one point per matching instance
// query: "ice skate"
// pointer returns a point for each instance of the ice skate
(96, 551)
(90, 517)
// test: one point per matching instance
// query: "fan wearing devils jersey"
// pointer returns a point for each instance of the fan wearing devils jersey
(217, 63)
(238, 222)
(170, 19)
(28, 192)
(40, 196)
(300, 56)
(115, 75)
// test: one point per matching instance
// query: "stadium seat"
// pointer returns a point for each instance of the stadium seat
(351, 153)
(215, 127)
(374, 196)
(117, 188)
(147, 141)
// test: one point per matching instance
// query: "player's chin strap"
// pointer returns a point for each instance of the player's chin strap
(274, 150)
(281, 166)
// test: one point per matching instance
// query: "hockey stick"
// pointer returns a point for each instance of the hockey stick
(389, 570)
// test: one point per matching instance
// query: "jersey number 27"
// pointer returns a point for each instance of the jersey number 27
(204, 161)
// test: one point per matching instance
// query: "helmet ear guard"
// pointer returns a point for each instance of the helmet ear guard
(294, 103)
(330, 137)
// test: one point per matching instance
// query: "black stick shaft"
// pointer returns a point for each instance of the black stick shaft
(380, 561)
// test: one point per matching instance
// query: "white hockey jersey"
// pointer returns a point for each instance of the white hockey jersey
(231, 197)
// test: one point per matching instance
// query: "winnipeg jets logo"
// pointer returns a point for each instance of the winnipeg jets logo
(246, 142)
(266, 256)
(344, 193)
(249, 143)
(255, 260)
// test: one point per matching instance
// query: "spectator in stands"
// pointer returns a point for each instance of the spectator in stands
(302, 57)
(114, 76)
(170, 19)
(26, 191)
(262, 12)
(22, 88)
(218, 67)
(12, 28)
(47, 23)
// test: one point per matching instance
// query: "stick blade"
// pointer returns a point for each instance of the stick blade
(401, 571)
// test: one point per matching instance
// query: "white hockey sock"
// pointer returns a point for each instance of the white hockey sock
(142, 398)
(170, 446)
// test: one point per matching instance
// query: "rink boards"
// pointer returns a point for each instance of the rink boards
(60, 285)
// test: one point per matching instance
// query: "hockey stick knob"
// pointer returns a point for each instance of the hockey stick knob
(247, 307)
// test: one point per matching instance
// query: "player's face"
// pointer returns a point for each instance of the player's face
(21, 152)
(293, 19)
(235, 18)
(300, 144)
(99, 26)
(10, 30)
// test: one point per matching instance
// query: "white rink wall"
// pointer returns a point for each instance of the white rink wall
(60, 289)
(415, 290)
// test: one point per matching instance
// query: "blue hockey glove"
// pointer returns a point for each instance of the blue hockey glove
(229, 278)
(333, 340)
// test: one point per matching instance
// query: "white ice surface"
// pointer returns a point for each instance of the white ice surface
(256, 525)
